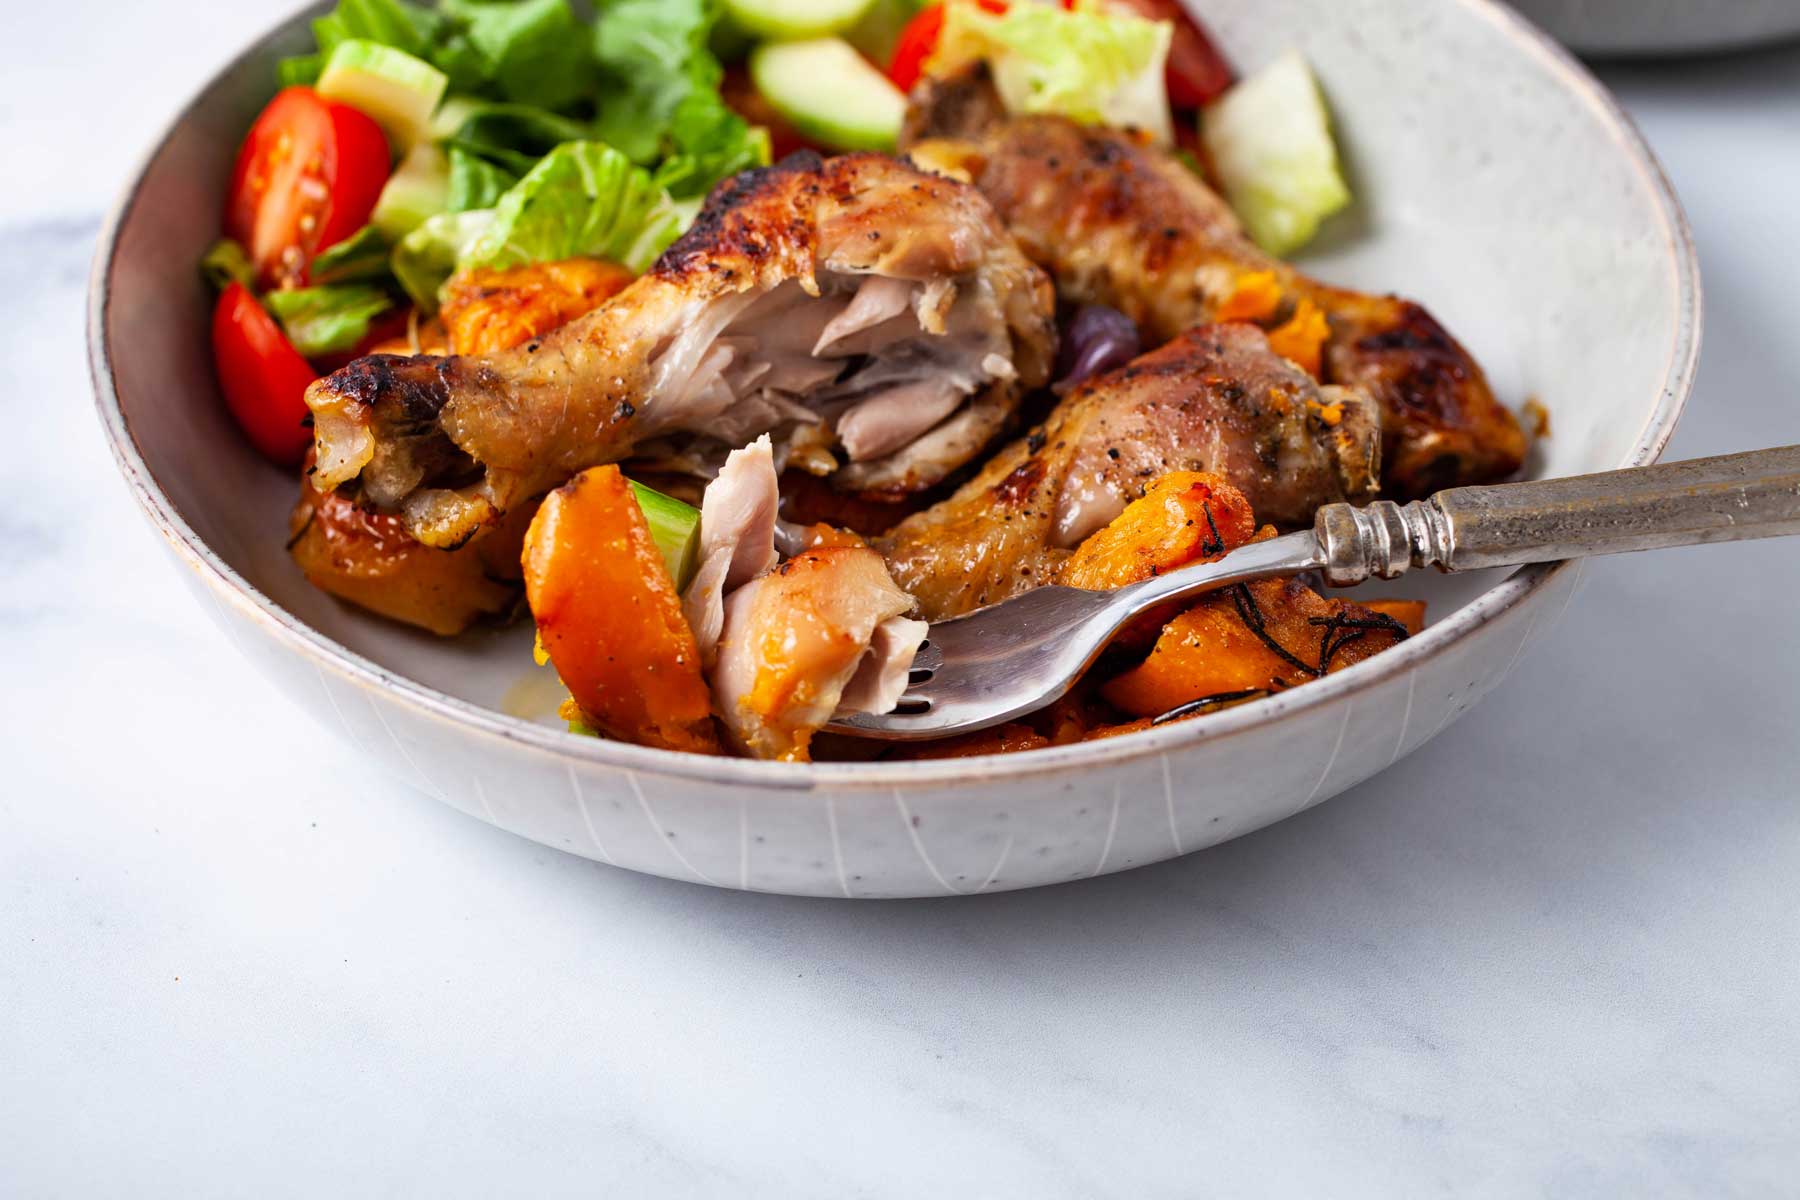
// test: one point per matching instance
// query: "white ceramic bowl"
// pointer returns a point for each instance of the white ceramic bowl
(1496, 181)
(1642, 28)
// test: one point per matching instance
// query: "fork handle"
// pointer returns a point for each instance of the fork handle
(1729, 498)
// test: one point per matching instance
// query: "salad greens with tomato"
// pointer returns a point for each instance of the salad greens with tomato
(420, 140)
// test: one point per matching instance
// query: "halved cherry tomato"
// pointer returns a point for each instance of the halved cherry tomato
(920, 38)
(307, 177)
(263, 376)
(1197, 73)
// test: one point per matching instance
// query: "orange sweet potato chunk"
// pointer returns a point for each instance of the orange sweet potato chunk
(610, 619)
(1301, 338)
(1183, 517)
(1255, 297)
(488, 309)
(1410, 613)
(1256, 637)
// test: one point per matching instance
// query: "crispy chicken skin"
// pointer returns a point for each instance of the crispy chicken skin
(1122, 223)
(369, 559)
(1215, 399)
(854, 302)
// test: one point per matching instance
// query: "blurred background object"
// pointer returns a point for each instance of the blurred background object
(1650, 28)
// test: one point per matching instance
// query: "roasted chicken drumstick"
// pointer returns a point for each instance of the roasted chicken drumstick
(1215, 399)
(877, 319)
(1122, 223)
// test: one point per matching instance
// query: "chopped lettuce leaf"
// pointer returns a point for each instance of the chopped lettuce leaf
(1093, 64)
(709, 142)
(475, 182)
(301, 70)
(1269, 139)
(228, 263)
(652, 54)
(360, 257)
(583, 199)
(427, 256)
(532, 51)
(659, 94)
(514, 136)
(396, 23)
(327, 319)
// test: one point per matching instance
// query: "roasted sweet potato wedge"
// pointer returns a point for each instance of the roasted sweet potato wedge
(1248, 640)
(610, 619)
(488, 310)
(369, 559)
(1184, 517)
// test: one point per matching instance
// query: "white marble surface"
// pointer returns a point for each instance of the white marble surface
(1556, 952)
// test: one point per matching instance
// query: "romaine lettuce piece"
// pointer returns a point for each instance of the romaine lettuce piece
(362, 257)
(1092, 64)
(1269, 138)
(513, 136)
(583, 199)
(328, 319)
(659, 94)
(228, 263)
(532, 51)
(427, 256)
(708, 142)
(475, 182)
(652, 54)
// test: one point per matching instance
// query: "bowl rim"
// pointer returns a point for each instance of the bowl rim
(322, 651)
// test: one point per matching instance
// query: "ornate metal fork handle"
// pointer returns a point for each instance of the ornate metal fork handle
(1010, 659)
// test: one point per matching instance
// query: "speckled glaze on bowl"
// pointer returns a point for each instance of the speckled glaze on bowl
(1496, 180)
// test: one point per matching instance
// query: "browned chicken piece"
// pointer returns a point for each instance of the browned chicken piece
(491, 309)
(855, 303)
(824, 632)
(1122, 223)
(1215, 399)
(367, 557)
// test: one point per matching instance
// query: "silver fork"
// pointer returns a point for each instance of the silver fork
(1013, 658)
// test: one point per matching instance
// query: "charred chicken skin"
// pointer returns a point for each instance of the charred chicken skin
(1122, 223)
(877, 319)
(1215, 399)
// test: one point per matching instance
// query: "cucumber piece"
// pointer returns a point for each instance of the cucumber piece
(675, 528)
(1270, 142)
(791, 20)
(829, 93)
(416, 192)
(397, 90)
